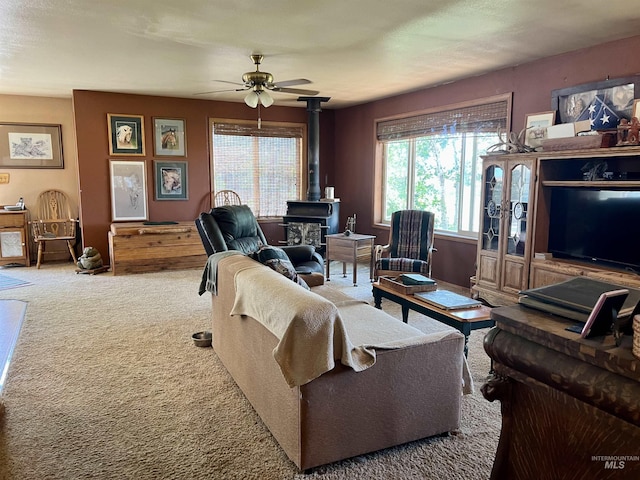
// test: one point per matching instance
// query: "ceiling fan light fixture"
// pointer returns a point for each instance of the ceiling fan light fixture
(252, 99)
(265, 99)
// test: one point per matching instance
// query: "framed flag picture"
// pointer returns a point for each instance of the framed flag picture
(604, 103)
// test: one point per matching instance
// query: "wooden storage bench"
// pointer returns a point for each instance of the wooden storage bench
(137, 248)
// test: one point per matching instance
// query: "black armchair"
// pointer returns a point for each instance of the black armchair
(234, 227)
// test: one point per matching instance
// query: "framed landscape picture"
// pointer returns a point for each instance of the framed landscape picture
(171, 180)
(169, 138)
(25, 145)
(536, 125)
(128, 190)
(126, 134)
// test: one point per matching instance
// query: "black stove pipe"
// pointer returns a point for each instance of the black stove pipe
(313, 145)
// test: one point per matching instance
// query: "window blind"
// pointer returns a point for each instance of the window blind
(264, 166)
(481, 116)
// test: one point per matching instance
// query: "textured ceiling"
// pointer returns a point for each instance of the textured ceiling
(353, 51)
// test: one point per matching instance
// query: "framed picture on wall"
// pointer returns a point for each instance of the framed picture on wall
(171, 180)
(126, 134)
(536, 125)
(128, 181)
(25, 145)
(169, 137)
(583, 102)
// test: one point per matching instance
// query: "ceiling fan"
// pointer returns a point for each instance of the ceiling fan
(259, 84)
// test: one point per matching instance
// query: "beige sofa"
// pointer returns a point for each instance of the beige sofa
(389, 384)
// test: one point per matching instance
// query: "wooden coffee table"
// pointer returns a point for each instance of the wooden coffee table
(465, 320)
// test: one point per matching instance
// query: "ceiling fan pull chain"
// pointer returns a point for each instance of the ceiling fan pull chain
(259, 119)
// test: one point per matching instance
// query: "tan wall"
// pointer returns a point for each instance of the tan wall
(29, 182)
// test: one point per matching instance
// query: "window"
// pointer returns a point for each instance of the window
(265, 167)
(432, 162)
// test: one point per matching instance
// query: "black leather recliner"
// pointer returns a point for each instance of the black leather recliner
(234, 227)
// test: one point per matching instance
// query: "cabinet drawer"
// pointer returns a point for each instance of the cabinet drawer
(12, 220)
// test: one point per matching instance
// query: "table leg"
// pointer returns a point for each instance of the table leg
(328, 262)
(405, 314)
(377, 299)
(355, 272)
(344, 269)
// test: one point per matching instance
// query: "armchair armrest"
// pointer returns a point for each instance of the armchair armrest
(380, 251)
(301, 253)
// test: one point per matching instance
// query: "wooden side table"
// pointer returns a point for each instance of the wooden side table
(349, 248)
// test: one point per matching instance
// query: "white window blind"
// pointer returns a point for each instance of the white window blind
(264, 166)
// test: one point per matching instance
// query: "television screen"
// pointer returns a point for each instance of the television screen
(596, 226)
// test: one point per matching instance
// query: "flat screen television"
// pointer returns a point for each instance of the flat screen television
(596, 226)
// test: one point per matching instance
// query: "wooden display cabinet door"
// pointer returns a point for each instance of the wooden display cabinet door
(517, 213)
(490, 248)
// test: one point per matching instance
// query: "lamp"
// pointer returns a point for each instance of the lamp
(255, 96)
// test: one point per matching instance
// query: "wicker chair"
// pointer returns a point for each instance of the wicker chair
(54, 222)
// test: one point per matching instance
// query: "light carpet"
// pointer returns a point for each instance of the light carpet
(106, 383)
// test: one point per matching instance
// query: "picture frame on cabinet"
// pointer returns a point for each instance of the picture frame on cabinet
(169, 137)
(128, 184)
(126, 134)
(572, 103)
(536, 125)
(171, 180)
(31, 145)
(636, 109)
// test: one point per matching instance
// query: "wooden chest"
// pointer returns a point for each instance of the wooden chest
(138, 248)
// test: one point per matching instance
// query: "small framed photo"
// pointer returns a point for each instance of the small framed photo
(536, 125)
(171, 180)
(126, 134)
(128, 190)
(636, 109)
(169, 137)
(24, 145)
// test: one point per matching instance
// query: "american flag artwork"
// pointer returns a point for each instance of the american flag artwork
(600, 114)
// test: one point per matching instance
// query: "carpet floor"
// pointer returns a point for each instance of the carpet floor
(106, 383)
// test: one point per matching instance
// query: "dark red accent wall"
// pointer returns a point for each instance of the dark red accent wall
(531, 85)
(90, 112)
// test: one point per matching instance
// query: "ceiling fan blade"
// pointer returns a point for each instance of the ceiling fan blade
(221, 91)
(291, 83)
(232, 83)
(296, 91)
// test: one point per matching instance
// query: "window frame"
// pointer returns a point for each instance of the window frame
(380, 160)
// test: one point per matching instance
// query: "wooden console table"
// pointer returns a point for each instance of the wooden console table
(569, 405)
(137, 248)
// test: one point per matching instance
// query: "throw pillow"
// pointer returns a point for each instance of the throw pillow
(277, 259)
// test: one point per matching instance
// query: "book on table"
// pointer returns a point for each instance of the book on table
(447, 300)
(416, 279)
(576, 297)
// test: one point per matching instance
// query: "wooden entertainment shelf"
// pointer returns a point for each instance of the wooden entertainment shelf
(515, 215)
